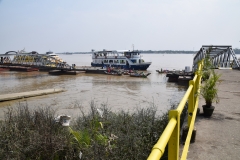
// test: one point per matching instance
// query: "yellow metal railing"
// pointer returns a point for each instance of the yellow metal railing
(171, 134)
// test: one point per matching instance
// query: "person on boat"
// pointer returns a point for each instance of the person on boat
(73, 66)
(102, 64)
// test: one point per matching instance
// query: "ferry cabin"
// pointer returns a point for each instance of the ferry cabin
(122, 59)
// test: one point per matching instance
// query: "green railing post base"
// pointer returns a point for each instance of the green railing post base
(185, 133)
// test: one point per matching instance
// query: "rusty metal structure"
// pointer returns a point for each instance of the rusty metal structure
(222, 56)
(33, 59)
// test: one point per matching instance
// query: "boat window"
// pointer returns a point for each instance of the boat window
(105, 61)
(133, 60)
(122, 61)
(110, 61)
(115, 61)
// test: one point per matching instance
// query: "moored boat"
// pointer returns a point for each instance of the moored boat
(162, 71)
(127, 72)
(55, 57)
(62, 72)
(113, 73)
(141, 74)
(129, 60)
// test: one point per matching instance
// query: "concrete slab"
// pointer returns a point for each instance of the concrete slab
(218, 137)
(13, 96)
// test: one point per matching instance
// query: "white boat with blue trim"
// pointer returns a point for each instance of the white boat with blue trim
(126, 59)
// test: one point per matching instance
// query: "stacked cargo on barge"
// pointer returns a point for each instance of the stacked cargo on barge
(127, 59)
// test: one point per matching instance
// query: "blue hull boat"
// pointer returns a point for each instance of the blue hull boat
(128, 60)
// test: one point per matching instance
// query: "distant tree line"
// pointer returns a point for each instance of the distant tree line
(236, 50)
(167, 52)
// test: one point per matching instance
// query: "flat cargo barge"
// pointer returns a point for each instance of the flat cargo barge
(174, 76)
(64, 72)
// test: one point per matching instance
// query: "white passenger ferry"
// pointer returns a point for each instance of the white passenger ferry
(56, 58)
(120, 59)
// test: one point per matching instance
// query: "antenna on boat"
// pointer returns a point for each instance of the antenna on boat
(133, 46)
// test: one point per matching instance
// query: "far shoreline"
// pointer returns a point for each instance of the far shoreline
(237, 51)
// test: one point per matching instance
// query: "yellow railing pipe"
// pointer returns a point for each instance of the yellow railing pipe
(192, 117)
(173, 144)
(191, 101)
(184, 99)
(171, 133)
(159, 147)
(190, 130)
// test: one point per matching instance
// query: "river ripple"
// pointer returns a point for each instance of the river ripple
(119, 92)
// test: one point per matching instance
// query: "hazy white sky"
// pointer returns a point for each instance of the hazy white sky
(82, 25)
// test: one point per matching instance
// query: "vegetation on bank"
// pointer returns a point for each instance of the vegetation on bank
(236, 50)
(99, 134)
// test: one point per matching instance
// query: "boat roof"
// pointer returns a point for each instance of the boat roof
(104, 51)
(51, 53)
(111, 51)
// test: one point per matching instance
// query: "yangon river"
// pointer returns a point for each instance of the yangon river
(118, 92)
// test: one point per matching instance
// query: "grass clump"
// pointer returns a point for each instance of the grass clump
(99, 134)
(26, 134)
(121, 135)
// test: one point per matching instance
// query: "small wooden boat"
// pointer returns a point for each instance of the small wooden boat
(62, 72)
(136, 74)
(127, 72)
(113, 73)
(162, 71)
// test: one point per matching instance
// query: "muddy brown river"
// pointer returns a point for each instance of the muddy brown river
(118, 92)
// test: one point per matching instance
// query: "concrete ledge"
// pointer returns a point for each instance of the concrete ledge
(13, 96)
(218, 137)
